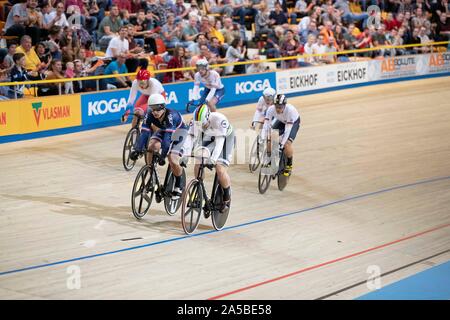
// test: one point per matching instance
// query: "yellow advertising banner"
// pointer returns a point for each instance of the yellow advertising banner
(47, 113)
(9, 118)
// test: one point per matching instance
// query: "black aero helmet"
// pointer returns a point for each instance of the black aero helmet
(280, 99)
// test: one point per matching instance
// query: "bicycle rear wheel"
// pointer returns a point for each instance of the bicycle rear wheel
(143, 191)
(130, 140)
(191, 209)
(219, 218)
(282, 179)
(170, 205)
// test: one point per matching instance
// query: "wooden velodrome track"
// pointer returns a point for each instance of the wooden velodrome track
(370, 187)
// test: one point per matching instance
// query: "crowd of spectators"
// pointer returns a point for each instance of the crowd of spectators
(56, 39)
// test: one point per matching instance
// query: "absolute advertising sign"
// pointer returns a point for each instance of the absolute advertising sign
(49, 113)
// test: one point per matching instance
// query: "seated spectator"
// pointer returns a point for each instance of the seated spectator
(69, 45)
(178, 60)
(443, 28)
(262, 22)
(91, 13)
(194, 10)
(200, 40)
(123, 4)
(118, 45)
(312, 30)
(320, 48)
(347, 16)
(8, 60)
(190, 31)
(424, 39)
(24, 19)
(302, 9)
(230, 30)
(274, 42)
(158, 13)
(364, 40)
(350, 40)
(308, 49)
(19, 73)
(168, 6)
(54, 17)
(118, 67)
(236, 52)
(54, 73)
(220, 7)
(32, 62)
(172, 32)
(44, 55)
(256, 67)
(181, 12)
(109, 27)
(54, 36)
(339, 37)
(290, 47)
(379, 39)
(277, 17)
(327, 32)
(145, 30)
(217, 50)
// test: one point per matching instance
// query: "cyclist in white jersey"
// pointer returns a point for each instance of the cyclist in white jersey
(146, 86)
(287, 122)
(264, 102)
(214, 89)
(212, 130)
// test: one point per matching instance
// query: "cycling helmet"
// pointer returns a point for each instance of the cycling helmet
(156, 102)
(280, 99)
(202, 64)
(269, 93)
(142, 75)
(201, 114)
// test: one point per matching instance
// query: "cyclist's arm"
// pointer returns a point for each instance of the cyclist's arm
(196, 92)
(133, 93)
(145, 133)
(219, 141)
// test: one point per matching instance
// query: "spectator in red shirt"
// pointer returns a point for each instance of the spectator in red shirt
(390, 23)
(364, 40)
(123, 4)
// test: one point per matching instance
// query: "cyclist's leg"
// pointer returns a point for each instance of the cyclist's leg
(288, 148)
(221, 169)
(140, 109)
(154, 145)
(219, 94)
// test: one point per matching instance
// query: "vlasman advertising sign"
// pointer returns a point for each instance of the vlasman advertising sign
(49, 113)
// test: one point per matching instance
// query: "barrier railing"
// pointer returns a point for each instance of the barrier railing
(303, 56)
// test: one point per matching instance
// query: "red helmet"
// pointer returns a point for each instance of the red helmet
(143, 74)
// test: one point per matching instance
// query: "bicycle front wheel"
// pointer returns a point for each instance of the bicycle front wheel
(191, 209)
(171, 205)
(130, 140)
(255, 155)
(282, 179)
(143, 191)
(264, 175)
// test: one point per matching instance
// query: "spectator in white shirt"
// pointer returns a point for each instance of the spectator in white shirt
(118, 45)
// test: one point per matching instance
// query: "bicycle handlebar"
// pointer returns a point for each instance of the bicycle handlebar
(192, 104)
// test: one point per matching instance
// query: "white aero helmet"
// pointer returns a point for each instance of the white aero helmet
(269, 93)
(202, 63)
(156, 102)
